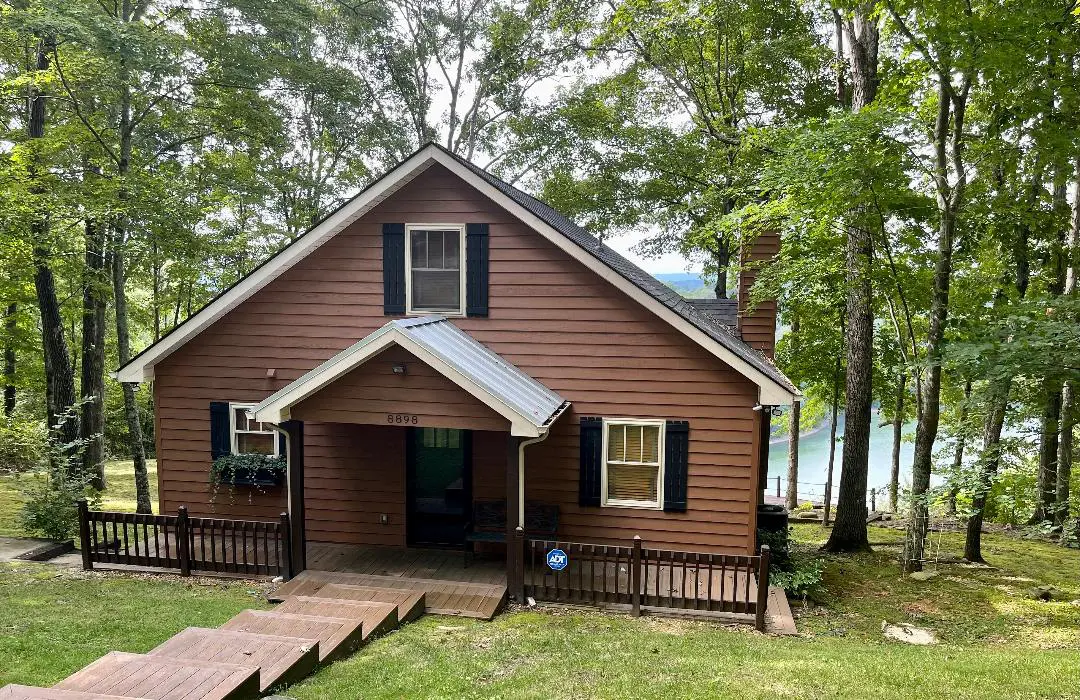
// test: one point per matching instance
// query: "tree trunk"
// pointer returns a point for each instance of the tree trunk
(989, 459)
(123, 335)
(92, 384)
(948, 128)
(1045, 499)
(1065, 454)
(794, 428)
(832, 443)
(897, 437)
(131, 407)
(849, 532)
(10, 326)
(59, 373)
(1068, 391)
(958, 453)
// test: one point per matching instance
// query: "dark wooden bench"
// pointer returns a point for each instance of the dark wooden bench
(488, 523)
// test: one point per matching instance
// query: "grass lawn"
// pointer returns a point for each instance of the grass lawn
(120, 495)
(964, 605)
(995, 641)
(54, 621)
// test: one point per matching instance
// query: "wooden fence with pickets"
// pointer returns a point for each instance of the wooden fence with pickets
(184, 543)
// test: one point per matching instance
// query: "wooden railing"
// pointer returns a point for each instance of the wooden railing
(634, 575)
(184, 543)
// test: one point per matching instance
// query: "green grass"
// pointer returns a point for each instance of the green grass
(54, 621)
(964, 605)
(119, 494)
(593, 655)
(995, 641)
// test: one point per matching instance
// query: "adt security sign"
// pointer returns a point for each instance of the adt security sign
(557, 560)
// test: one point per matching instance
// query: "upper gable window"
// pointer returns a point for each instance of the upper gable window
(435, 282)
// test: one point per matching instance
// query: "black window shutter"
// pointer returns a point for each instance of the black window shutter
(476, 273)
(676, 465)
(283, 446)
(220, 440)
(592, 461)
(393, 271)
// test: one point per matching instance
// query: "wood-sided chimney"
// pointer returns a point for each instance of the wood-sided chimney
(757, 325)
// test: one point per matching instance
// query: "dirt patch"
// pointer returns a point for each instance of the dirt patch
(920, 607)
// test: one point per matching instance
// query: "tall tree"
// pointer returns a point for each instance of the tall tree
(59, 372)
(944, 38)
(849, 532)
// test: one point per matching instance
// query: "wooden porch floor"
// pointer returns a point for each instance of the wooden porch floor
(448, 586)
(441, 564)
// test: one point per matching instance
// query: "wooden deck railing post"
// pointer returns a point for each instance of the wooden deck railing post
(285, 563)
(84, 535)
(635, 578)
(762, 589)
(183, 549)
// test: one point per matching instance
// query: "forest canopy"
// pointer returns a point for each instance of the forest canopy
(920, 160)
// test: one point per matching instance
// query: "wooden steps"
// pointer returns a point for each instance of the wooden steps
(410, 604)
(322, 616)
(441, 597)
(29, 692)
(280, 659)
(163, 678)
(376, 618)
(338, 636)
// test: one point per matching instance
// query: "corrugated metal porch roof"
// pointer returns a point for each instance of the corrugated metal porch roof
(526, 403)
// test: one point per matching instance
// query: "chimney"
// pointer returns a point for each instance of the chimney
(757, 326)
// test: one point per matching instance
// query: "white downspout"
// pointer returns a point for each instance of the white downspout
(521, 476)
(288, 465)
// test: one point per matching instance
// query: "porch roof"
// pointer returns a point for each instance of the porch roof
(529, 405)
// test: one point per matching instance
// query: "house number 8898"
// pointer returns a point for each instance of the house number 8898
(401, 419)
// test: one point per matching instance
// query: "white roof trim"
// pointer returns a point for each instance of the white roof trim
(141, 368)
(277, 407)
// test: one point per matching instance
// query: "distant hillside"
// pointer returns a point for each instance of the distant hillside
(689, 284)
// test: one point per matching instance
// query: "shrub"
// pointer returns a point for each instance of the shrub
(51, 508)
(803, 575)
(23, 445)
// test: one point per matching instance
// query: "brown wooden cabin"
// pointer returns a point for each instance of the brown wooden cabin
(444, 340)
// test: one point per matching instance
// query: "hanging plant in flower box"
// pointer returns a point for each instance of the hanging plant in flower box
(255, 470)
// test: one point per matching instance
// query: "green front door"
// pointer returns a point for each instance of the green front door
(439, 489)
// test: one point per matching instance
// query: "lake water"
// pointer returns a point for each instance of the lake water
(814, 459)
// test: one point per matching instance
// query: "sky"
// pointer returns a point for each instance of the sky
(669, 262)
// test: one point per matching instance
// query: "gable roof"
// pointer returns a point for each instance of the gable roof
(723, 311)
(669, 305)
(529, 405)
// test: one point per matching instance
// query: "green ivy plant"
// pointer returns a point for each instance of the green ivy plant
(241, 470)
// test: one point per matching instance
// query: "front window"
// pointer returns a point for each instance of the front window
(249, 436)
(436, 274)
(633, 463)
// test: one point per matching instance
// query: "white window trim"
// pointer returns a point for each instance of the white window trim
(621, 503)
(460, 228)
(249, 407)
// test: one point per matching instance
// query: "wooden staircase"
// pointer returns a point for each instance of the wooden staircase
(317, 621)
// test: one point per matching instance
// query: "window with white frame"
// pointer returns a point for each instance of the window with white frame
(633, 463)
(435, 282)
(250, 436)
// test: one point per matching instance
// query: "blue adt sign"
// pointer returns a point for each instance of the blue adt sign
(557, 560)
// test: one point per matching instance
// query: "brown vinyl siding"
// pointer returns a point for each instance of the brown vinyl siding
(758, 326)
(549, 315)
(371, 392)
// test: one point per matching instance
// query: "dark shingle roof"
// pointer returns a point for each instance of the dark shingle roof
(643, 280)
(724, 311)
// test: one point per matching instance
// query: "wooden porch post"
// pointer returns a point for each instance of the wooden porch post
(297, 530)
(515, 547)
